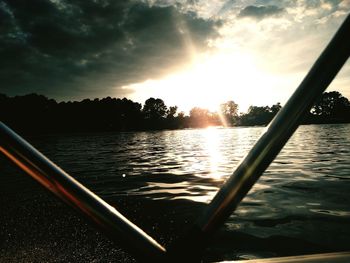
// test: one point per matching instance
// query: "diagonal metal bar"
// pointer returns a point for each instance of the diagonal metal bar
(101, 214)
(269, 144)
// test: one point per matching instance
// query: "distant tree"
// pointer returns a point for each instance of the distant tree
(199, 117)
(181, 115)
(129, 113)
(171, 122)
(229, 108)
(229, 111)
(199, 113)
(154, 112)
(331, 107)
(171, 112)
(331, 104)
(29, 113)
(154, 109)
(275, 108)
(37, 114)
(182, 121)
(259, 115)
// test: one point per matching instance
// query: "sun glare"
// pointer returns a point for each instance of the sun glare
(210, 81)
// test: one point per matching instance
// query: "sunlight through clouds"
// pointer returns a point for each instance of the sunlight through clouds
(214, 79)
(188, 52)
(261, 55)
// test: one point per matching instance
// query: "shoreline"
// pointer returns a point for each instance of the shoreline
(79, 133)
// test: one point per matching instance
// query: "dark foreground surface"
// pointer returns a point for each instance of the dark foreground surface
(163, 180)
(45, 230)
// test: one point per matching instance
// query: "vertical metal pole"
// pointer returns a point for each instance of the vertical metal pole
(270, 143)
(101, 214)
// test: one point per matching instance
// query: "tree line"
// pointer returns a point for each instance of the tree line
(35, 114)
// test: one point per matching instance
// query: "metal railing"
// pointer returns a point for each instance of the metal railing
(189, 247)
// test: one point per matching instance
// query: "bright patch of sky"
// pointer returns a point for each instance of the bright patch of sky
(264, 50)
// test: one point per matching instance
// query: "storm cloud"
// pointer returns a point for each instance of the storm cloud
(76, 49)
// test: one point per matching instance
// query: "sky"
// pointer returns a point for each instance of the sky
(188, 53)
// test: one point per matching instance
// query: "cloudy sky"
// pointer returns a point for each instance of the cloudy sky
(189, 53)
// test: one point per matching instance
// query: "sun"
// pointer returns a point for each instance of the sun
(208, 82)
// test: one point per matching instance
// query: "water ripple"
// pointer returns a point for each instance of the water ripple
(308, 181)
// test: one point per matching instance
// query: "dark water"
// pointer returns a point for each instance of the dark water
(162, 180)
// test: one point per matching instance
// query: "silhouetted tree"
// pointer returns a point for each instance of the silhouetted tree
(171, 121)
(332, 105)
(229, 111)
(181, 114)
(154, 109)
(31, 112)
(155, 112)
(259, 115)
(171, 112)
(182, 120)
(275, 108)
(37, 114)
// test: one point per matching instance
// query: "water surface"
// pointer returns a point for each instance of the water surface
(303, 196)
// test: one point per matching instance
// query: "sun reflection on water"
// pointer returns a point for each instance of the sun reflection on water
(212, 147)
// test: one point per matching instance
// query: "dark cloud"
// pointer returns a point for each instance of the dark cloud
(260, 12)
(90, 48)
